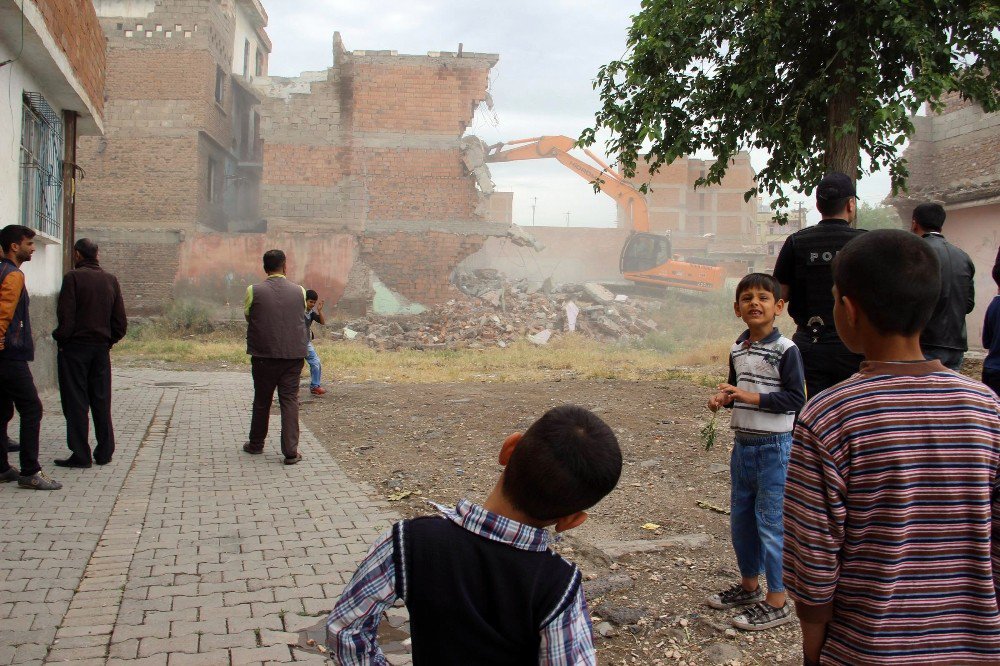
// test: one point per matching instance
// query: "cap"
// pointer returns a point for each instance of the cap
(834, 186)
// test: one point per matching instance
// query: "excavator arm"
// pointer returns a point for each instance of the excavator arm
(557, 147)
(646, 258)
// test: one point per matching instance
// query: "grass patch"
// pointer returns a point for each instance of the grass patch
(568, 356)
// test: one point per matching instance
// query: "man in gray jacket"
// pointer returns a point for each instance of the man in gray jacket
(945, 336)
(277, 339)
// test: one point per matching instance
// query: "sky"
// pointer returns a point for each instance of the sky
(550, 52)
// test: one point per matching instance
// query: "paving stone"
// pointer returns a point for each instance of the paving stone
(277, 653)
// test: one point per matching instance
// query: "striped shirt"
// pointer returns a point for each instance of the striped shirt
(353, 624)
(892, 517)
(771, 367)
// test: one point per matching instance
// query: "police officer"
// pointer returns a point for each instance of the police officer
(804, 270)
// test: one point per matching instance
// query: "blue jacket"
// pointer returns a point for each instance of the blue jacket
(18, 345)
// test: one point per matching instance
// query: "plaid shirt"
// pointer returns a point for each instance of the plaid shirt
(352, 626)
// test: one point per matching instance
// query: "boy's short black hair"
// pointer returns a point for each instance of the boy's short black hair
(566, 462)
(273, 261)
(311, 295)
(13, 234)
(894, 278)
(759, 281)
(930, 216)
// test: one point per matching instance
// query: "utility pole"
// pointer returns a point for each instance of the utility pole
(567, 218)
(534, 204)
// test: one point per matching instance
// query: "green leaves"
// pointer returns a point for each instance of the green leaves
(729, 76)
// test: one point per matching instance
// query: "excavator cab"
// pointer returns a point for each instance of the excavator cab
(643, 252)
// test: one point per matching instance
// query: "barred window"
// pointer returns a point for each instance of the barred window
(41, 166)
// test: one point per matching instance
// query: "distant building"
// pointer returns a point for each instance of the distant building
(772, 235)
(182, 153)
(954, 159)
(52, 65)
(712, 221)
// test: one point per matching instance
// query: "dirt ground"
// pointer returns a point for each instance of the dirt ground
(439, 442)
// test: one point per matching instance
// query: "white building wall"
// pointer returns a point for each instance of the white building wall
(245, 31)
(44, 271)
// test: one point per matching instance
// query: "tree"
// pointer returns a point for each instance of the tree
(878, 217)
(815, 83)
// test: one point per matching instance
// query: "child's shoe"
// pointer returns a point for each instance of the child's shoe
(763, 616)
(735, 596)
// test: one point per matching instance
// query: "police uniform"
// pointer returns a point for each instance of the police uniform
(804, 266)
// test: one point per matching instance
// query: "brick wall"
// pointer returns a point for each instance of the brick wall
(74, 25)
(418, 266)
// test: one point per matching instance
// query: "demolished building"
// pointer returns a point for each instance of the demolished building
(357, 171)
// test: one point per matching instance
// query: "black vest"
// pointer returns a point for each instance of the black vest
(473, 600)
(18, 343)
(810, 292)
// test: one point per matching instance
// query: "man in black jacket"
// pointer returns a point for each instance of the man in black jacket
(945, 336)
(91, 318)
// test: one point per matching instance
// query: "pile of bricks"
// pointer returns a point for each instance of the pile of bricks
(488, 310)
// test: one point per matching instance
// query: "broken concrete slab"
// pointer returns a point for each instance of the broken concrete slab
(598, 292)
(619, 549)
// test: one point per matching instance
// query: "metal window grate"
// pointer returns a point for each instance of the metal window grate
(41, 166)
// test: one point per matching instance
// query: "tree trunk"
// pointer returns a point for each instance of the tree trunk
(842, 147)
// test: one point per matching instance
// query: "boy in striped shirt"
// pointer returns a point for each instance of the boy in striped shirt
(892, 508)
(766, 387)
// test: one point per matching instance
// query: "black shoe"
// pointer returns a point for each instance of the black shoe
(70, 462)
(12, 446)
(102, 462)
(251, 449)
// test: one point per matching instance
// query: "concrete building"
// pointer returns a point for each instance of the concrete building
(182, 154)
(771, 236)
(954, 159)
(52, 60)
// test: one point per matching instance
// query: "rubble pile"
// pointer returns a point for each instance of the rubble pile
(490, 310)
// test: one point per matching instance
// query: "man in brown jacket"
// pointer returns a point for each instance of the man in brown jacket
(277, 339)
(91, 319)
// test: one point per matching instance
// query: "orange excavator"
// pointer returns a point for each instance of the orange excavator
(647, 258)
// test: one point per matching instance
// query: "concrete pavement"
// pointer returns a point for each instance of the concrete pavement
(184, 550)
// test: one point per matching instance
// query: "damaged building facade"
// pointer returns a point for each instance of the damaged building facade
(356, 171)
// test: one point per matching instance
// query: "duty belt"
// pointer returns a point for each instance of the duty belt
(815, 325)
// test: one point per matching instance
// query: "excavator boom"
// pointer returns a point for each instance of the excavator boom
(646, 258)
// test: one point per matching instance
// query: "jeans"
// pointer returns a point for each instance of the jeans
(315, 367)
(17, 389)
(85, 387)
(950, 358)
(757, 471)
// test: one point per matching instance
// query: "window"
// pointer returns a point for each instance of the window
(220, 84)
(246, 58)
(259, 63)
(213, 189)
(41, 166)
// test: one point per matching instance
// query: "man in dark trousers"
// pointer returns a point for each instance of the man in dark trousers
(17, 386)
(803, 269)
(945, 338)
(91, 319)
(277, 341)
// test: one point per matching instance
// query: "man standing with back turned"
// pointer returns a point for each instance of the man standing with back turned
(803, 269)
(91, 316)
(277, 339)
(945, 337)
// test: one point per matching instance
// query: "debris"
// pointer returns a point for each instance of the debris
(310, 642)
(620, 615)
(620, 298)
(617, 549)
(489, 310)
(395, 497)
(541, 338)
(721, 653)
(613, 583)
(712, 507)
(598, 292)
(606, 630)
(651, 527)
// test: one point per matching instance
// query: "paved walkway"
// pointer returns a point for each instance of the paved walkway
(184, 550)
